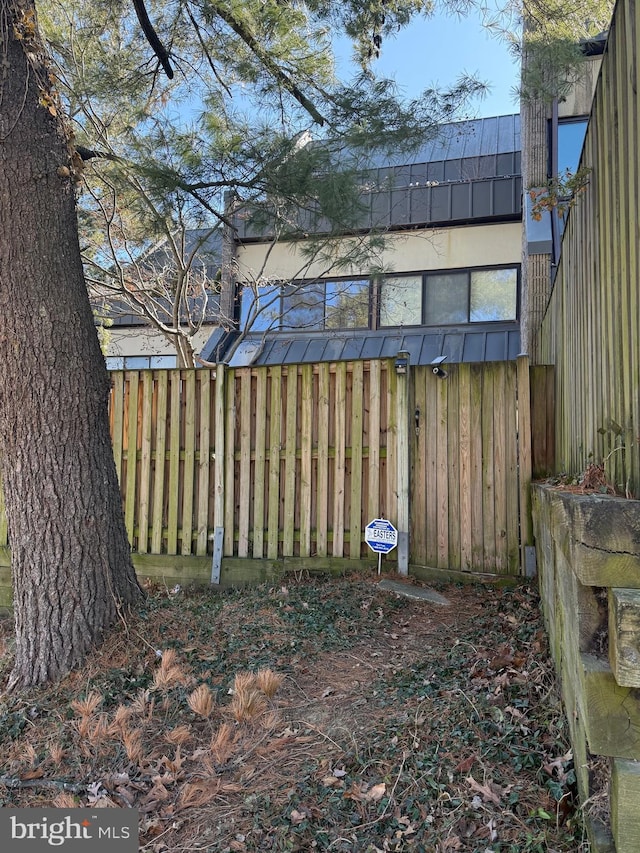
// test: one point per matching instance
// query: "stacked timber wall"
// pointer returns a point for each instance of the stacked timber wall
(588, 549)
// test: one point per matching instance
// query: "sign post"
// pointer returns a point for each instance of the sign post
(381, 536)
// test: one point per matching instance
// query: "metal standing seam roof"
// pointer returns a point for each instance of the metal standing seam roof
(458, 345)
(472, 138)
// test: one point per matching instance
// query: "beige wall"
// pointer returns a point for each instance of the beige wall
(578, 101)
(451, 248)
(134, 341)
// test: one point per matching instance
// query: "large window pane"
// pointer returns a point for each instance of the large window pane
(347, 304)
(303, 306)
(493, 295)
(401, 301)
(446, 298)
(260, 308)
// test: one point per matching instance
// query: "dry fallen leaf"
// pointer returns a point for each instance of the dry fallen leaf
(375, 794)
(485, 791)
(37, 773)
(297, 817)
(465, 765)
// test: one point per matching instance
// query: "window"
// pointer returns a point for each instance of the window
(162, 361)
(493, 295)
(260, 308)
(140, 362)
(571, 136)
(565, 149)
(307, 306)
(450, 298)
(303, 306)
(347, 304)
(401, 301)
(444, 298)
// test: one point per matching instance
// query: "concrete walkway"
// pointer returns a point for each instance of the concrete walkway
(417, 592)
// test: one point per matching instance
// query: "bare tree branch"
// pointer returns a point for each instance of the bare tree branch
(152, 37)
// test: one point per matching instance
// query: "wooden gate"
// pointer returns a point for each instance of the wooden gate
(471, 467)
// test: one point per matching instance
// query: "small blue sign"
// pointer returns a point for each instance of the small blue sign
(381, 536)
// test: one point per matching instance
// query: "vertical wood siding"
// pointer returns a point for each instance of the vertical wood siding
(591, 331)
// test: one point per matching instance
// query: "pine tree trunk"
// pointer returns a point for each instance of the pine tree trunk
(71, 563)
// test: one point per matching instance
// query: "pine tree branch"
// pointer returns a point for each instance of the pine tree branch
(242, 30)
(152, 37)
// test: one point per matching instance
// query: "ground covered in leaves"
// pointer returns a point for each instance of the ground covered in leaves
(313, 715)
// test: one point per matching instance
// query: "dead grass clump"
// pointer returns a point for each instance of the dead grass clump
(179, 735)
(198, 794)
(251, 691)
(132, 742)
(269, 681)
(57, 754)
(201, 701)
(100, 730)
(270, 721)
(243, 681)
(28, 754)
(248, 700)
(121, 718)
(248, 705)
(169, 673)
(222, 743)
(86, 707)
(142, 705)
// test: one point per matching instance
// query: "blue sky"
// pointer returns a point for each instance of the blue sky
(435, 51)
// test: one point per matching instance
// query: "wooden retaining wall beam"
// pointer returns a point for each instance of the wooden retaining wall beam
(625, 796)
(598, 534)
(624, 636)
(611, 713)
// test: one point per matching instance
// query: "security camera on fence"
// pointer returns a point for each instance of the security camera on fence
(437, 369)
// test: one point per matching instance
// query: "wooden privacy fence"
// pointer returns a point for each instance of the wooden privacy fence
(293, 461)
(287, 460)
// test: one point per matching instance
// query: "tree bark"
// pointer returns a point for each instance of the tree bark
(71, 563)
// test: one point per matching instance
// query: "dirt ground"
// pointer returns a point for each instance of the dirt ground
(316, 714)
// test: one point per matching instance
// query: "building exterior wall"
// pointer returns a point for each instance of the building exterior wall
(451, 248)
(145, 341)
(578, 101)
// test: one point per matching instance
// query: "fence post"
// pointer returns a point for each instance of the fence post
(403, 371)
(218, 472)
(524, 456)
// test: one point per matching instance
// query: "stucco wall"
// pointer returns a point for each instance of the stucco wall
(139, 341)
(578, 101)
(451, 248)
